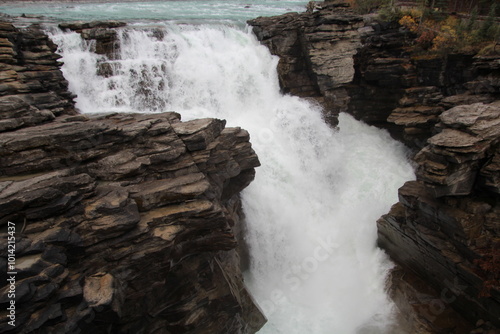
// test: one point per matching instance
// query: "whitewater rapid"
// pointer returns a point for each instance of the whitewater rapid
(311, 211)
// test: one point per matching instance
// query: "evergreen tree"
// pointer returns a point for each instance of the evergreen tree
(472, 20)
(484, 31)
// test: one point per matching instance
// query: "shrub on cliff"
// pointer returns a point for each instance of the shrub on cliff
(438, 32)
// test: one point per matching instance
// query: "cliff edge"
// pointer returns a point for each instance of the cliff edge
(123, 223)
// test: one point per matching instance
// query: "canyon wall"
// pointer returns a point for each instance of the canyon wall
(444, 234)
(123, 223)
(316, 53)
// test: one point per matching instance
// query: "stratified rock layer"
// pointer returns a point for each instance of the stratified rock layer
(32, 88)
(124, 223)
(405, 94)
(446, 225)
(355, 64)
(106, 41)
(316, 52)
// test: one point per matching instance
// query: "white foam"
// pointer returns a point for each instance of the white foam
(311, 211)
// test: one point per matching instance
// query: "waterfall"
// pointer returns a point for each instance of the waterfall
(311, 211)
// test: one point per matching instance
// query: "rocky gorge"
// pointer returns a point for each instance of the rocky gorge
(444, 232)
(116, 222)
(132, 223)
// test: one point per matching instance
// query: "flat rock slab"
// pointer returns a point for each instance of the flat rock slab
(454, 138)
(480, 119)
(152, 194)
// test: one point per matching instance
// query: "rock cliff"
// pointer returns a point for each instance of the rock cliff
(316, 52)
(445, 227)
(405, 93)
(363, 66)
(444, 233)
(123, 223)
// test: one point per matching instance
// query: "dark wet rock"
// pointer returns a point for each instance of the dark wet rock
(316, 52)
(450, 163)
(124, 222)
(362, 66)
(102, 32)
(445, 227)
(32, 88)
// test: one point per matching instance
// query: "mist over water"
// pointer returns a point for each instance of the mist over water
(311, 211)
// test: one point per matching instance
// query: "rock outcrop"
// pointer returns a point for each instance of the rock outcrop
(316, 52)
(406, 94)
(32, 88)
(101, 32)
(123, 223)
(444, 232)
(446, 225)
(355, 64)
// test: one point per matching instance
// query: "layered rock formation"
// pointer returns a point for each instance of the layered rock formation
(444, 232)
(123, 223)
(446, 226)
(32, 88)
(406, 94)
(316, 52)
(356, 64)
(101, 32)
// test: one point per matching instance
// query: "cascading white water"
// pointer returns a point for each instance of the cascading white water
(311, 211)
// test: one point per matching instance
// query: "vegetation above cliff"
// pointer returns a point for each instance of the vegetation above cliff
(443, 26)
(444, 32)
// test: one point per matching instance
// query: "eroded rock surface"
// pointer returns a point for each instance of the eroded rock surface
(32, 88)
(316, 52)
(125, 223)
(102, 32)
(446, 226)
(405, 94)
(363, 66)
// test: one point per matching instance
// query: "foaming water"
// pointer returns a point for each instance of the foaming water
(314, 232)
(311, 211)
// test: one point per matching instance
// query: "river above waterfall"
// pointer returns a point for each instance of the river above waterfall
(311, 211)
(179, 11)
